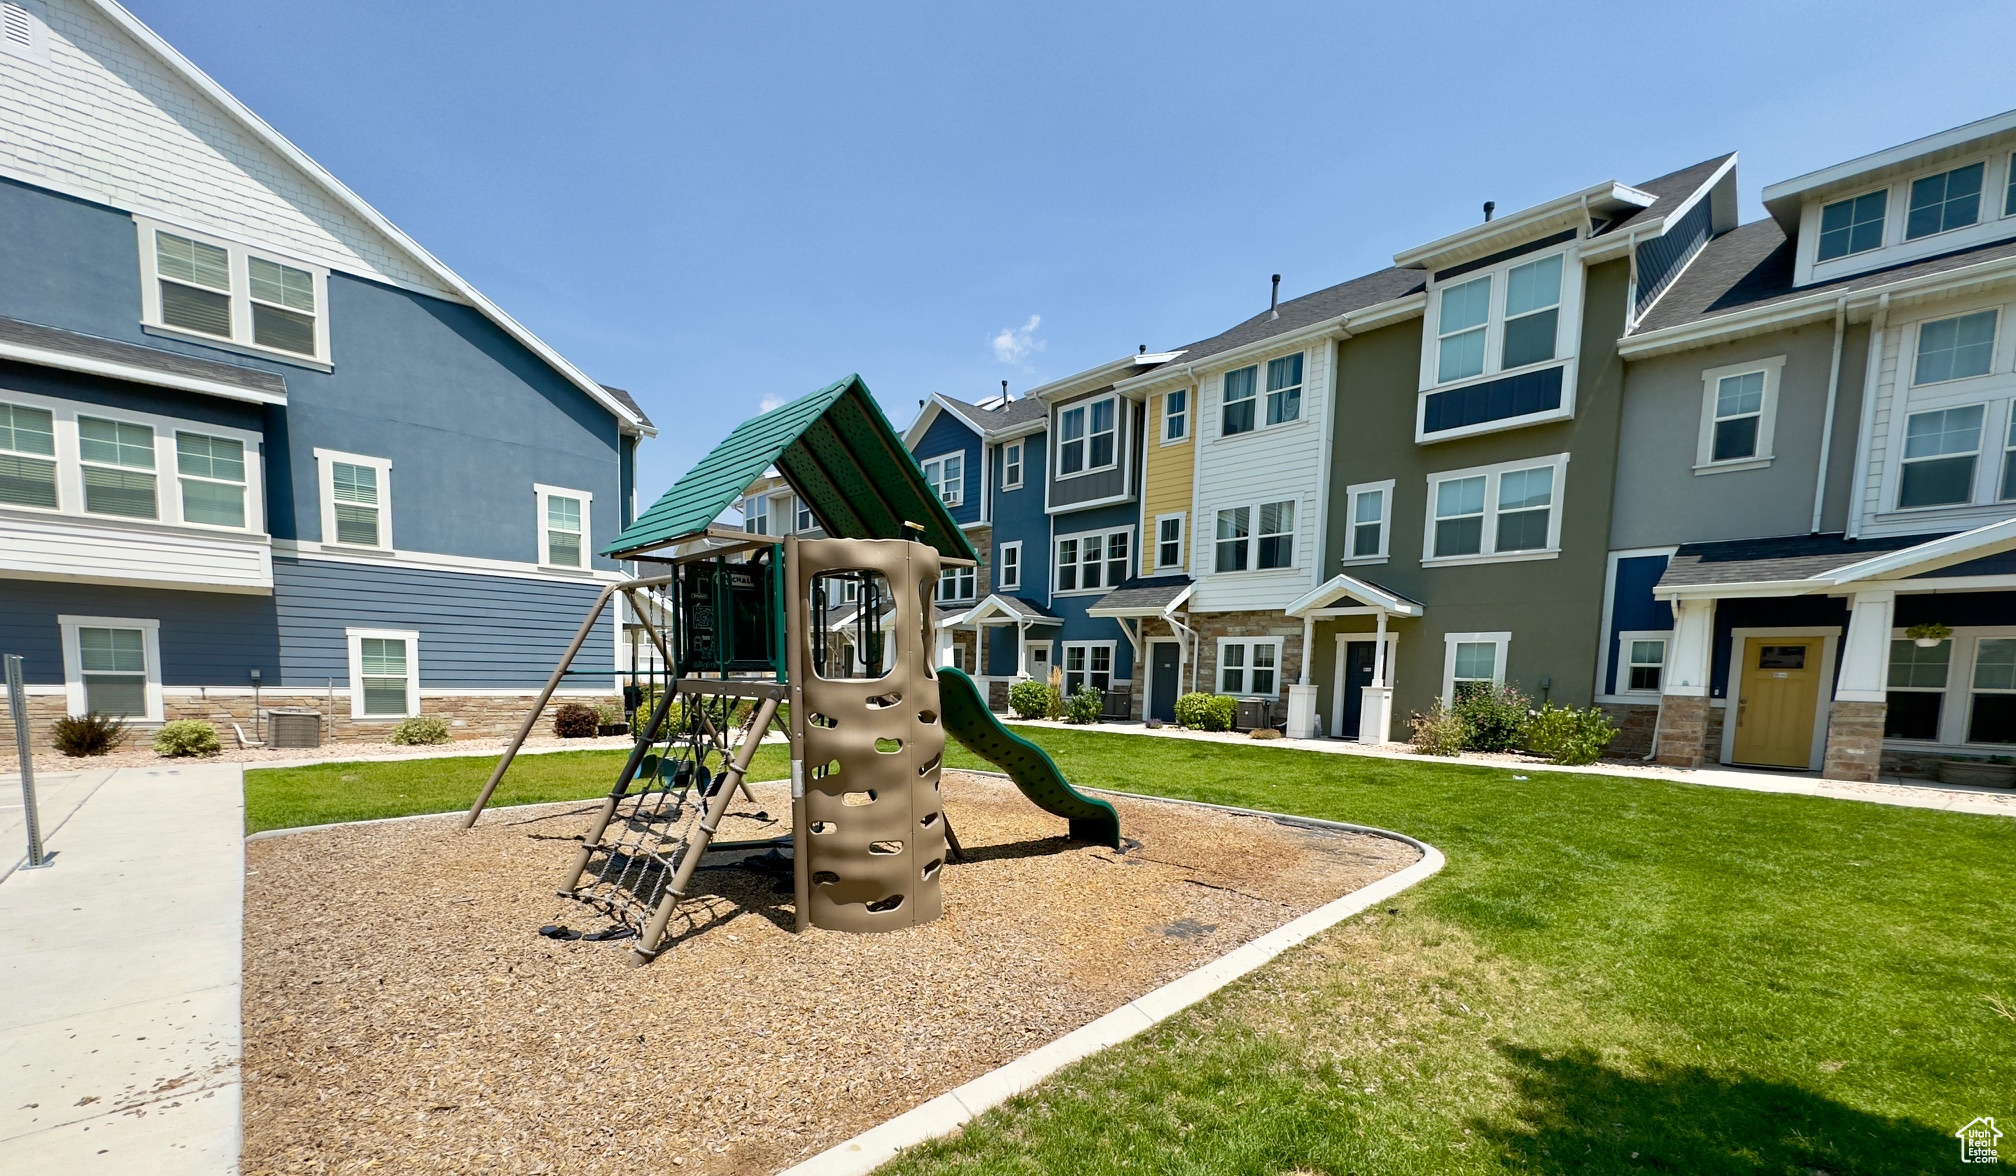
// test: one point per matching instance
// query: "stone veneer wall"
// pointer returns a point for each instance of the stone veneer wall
(1212, 626)
(483, 716)
(1854, 741)
(1684, 732)
(1635, 723)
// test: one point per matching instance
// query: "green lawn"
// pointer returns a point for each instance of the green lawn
(1611, 975)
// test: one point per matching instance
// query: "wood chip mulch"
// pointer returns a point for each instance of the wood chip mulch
(402, 1013)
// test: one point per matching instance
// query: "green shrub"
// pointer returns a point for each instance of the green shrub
(1084, 705)
(419, 730)
(1439, 732)
(574, 721)
(92, 734)
(1496, 716)
(187, 737)
(1566, 735)
(1030, 699)
(608, 715)
(1206, 712)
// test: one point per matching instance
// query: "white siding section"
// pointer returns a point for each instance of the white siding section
(105, 118)
(162, 557)
(1266, 465)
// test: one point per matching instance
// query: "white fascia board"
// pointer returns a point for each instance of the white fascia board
(922, 425)
(1025, 429)
(1513, 224)
(134, 373)
(1792, 192)
(1818, 305)
(1090, 379)
(260, 130)
(1349, 323)
(1347, 585)
(1746, 588)
(1991, 539)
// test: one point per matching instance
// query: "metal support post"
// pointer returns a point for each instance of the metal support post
(17, 707)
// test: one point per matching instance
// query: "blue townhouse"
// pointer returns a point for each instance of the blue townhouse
(259, 448)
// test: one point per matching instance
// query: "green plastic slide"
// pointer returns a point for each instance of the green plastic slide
(968, 720)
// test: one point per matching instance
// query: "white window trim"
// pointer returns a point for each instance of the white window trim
(1767, 423)
(937, 480)
(167, 486)
(542, 492)
(1259, 398)
(1988, 452)
(1057, 443)
(1351, 496)
(1182, 541)
(37, 48)
(325, 477)
(1113, 677)
(1104, 534)
(1491, 473)
(1016, 464)
(1907, 359)
(1252, 568)
(354, 640)
(240, 292)
(1218, 666)
(957, 573)
(73, 659)
(1624, 639)
(1503, 640)
(1894, 249)
(1957, 704)
(1001, 563)
(1568, 333)
(1261, 394)
(1188, 416)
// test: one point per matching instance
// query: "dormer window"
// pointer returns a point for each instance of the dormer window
(1496, 344)
(1950, 200)
(1852, 226)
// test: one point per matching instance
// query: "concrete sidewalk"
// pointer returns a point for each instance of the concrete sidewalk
(120, 975)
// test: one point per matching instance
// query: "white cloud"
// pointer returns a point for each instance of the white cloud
(1015, 344)
(769, 402)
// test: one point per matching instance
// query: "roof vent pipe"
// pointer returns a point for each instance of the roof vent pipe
(1274, 304)
(1490, 206)
(1004, 391)
(1143, 351)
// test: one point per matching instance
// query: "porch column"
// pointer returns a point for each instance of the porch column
(1375, 702)
(1021, 650)
(1302, 695)
(1855, 718)
(1682, 733)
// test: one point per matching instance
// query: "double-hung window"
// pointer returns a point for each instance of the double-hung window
(1503, 510)
(802, 519)
(1991, 716)
(384, 673)
(1284, 389)
(1008, 566)
(1532, 312)
(111, 666)
(1465, 310)
(1643, 657)
(1499, 322)
(1941, 449)
(1094, 560)
(27, 456)
(1088, 437)
(563, 526)
(1175, 415)
(947, 476)
(211, 471)
(1916, 695)
(955, 583)
(1947, 201)
(1168, 542)
(1367, 510)
(118, 461)
(1955, 348)
(1011, 466)
(356, 499)
(1472, 662)
(1854, 225)
(1249, 666)
(227, 292)
(1088, 663)
(756, 514)
(1240, 389)
(1739, 412)
(1255, 537)
(2009, 460)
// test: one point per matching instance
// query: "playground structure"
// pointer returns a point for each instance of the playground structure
(840, 629)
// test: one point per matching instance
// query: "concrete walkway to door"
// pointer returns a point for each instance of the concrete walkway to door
(120, 976)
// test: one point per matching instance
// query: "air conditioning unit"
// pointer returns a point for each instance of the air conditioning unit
(1254, 712)
(291, 726)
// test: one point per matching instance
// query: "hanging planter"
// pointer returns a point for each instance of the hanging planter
(1928, 635)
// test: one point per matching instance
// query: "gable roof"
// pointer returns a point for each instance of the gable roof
(629, 418)
(840, 455)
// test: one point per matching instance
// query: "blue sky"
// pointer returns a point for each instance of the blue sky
(712, 205)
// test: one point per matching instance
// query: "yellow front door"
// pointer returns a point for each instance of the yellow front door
(1780, 685)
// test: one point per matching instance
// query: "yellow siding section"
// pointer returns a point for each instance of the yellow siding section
(1165, 483)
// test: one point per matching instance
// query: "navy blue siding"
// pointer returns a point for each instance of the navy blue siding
(1632, 608)
(1764, 613)
(1493, 400)
(468, 416)
(1661, 259)
(1956, 608)
(1018, 516)
(207, 638)
(948, 434)
(1077, 625)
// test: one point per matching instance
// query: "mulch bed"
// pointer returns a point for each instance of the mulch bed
(402, 1014)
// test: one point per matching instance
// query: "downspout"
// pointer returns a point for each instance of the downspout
(1857, 477)
(1190, 633)
(1827, 422)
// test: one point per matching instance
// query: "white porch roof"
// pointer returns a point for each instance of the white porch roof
(1366, 593)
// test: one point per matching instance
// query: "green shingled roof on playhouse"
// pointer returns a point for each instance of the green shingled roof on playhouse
(839, 453)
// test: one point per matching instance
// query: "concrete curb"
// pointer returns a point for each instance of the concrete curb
(946, 1114)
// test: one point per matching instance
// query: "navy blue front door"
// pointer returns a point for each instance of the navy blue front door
(1165, 662)
(1357, 676)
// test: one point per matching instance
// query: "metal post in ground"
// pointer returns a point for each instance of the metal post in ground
(17, 706)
